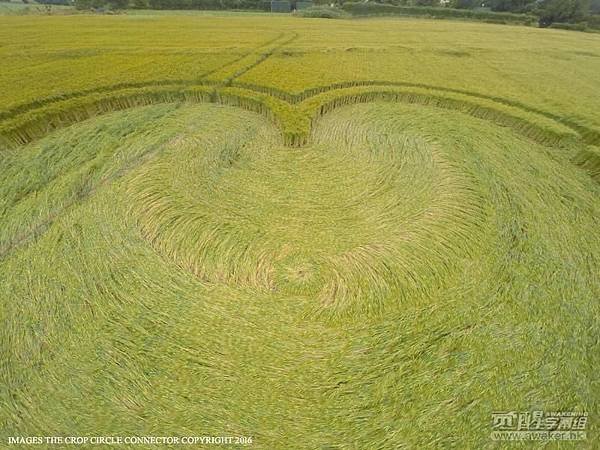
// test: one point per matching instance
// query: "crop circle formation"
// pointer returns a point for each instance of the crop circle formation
(373, 265)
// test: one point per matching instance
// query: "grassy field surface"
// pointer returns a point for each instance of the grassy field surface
(352, 234)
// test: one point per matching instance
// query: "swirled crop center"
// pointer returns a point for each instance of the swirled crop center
(371, 209)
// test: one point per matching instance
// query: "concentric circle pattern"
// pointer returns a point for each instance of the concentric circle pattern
(370, 211)
(189, 272)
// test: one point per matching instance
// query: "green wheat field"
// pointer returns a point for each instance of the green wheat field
(351, 234)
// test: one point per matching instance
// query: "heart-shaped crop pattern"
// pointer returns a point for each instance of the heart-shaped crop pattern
(195, 266)
(372, 211)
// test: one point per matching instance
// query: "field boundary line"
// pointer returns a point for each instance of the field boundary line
(296, 120)
(588, 135)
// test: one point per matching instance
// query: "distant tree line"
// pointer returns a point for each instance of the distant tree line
(97, 4)
(571, 7)
(53, 2)
(568, 11)
(174, 4)
(547, 11)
